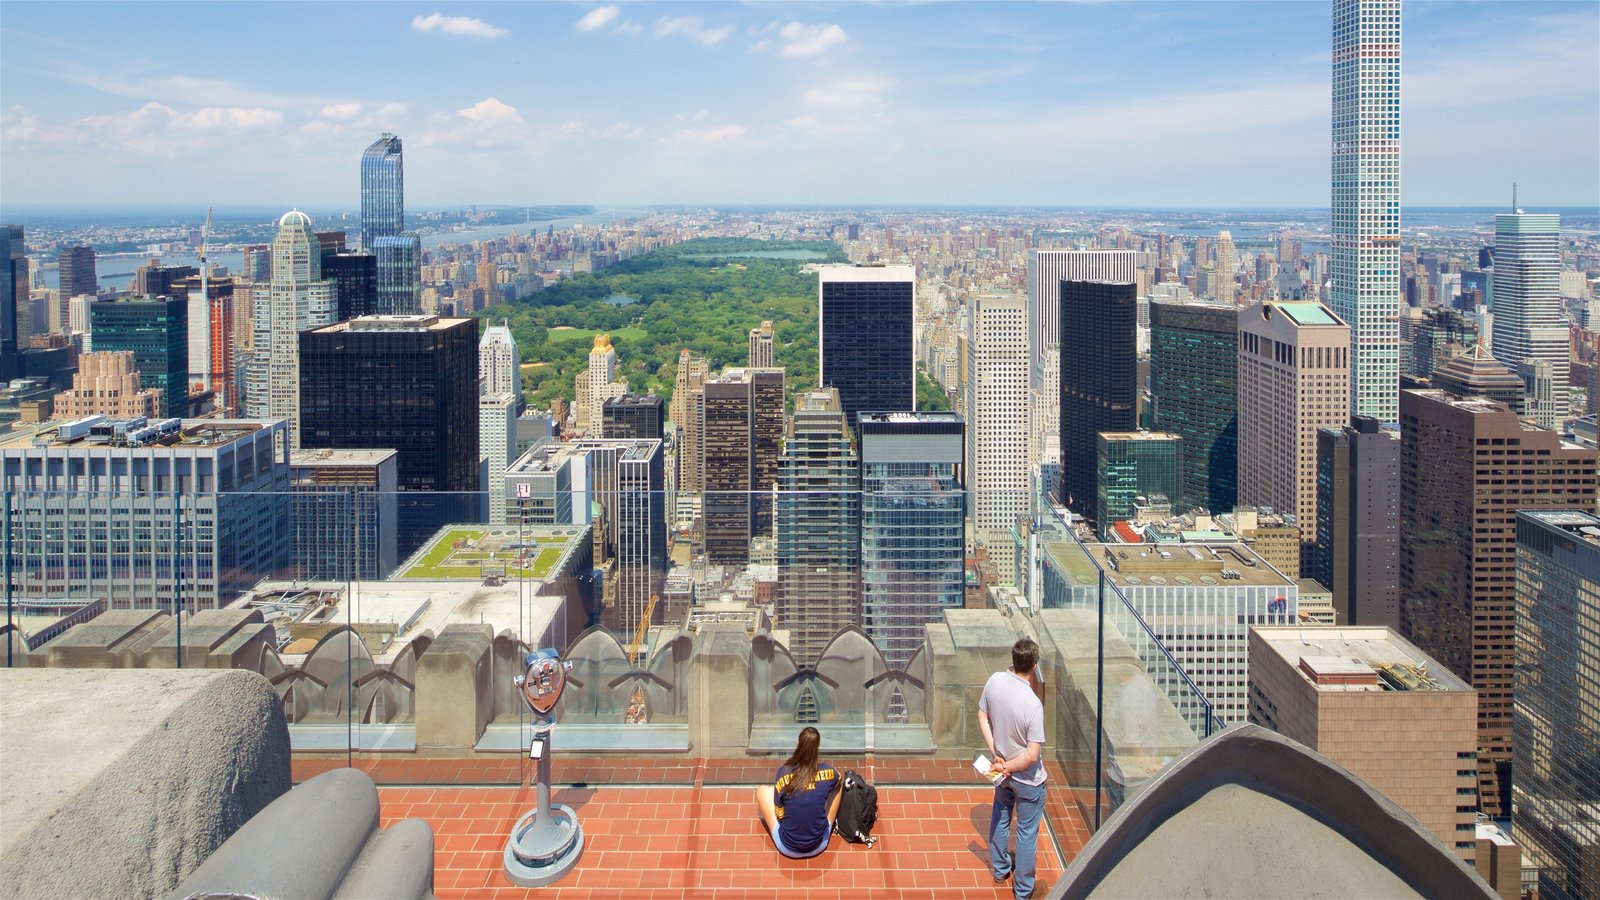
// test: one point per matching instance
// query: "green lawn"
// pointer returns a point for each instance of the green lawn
(442, 561)
(586, 335)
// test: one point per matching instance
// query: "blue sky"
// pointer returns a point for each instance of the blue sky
(1119, 103)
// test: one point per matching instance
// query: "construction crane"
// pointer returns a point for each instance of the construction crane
(639, 633)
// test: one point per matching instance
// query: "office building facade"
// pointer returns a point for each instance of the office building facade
(404, 383)
(867, 350)
(107, 383)
(1134, 466)
(1365, 289)
(1466, 467)
(156, 330)
(497, 444)
(181, 514)
(13, 300)
(383, 190)
(763, 341)
(1357, 553)
(742, 424)
(499, 364)
(912, 532)
(1529, 325)
(1556, 722)
(344, 514)
(997, 409)
(77, 272)
(355, 278)
(1194, 386)
(1099, 380)
(633, 416)
(1047, 268)
(1369, 700)
(1294, 368)
(818, 526)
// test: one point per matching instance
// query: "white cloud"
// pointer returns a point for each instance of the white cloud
(597, 18)
(700, 116)
(630, 28)
(341, 111)
(458, 25)
(855, 93)
(490, 111)
(800, 39)
(227, 118)
(694, 28)
(622, 131)
(719, 133)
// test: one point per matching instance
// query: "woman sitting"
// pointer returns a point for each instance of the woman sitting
(799, 808)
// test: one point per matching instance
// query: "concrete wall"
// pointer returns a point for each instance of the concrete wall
(120, 783)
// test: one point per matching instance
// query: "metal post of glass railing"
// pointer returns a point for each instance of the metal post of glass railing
(177, 582)
(11, 636)
(1099, 692)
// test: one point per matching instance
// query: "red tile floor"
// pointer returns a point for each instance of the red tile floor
(706, 842)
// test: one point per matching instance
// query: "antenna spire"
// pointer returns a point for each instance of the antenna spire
(1514, 206)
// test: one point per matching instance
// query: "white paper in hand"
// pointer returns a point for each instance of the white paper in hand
(982, 766)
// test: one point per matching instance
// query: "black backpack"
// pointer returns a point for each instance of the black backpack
(858, 810)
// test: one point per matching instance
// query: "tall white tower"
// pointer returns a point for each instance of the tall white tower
(296, 300)
(996, 401)
(498, 371)
(1528, 327)
(1366, 199)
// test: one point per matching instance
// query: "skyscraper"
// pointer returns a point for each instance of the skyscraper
(355, 278)
(596, 385)
(1556, 723)
(1099, 379)
(1225, 267)
(632, 416)
(1194, 383)
(762, 339)
(344, 514)
(866, 316)
(1046, 270)
(107, 384)
(296, 299)
(1294, 379)
(497, 443)
(912, 531)
(383, 224)
(499, 366)
(383, 189)
(400, 383)
(685, 411)
(1366, 198)
(77, 272)
(13, 300)
(1528, 322)
(1357, 554)
(741, 429)
(157, 331)
(1133, 465)
(818, 525)
(997, 416)
(1466, 467)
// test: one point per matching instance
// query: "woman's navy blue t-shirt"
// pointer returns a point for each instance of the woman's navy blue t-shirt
(803, 815)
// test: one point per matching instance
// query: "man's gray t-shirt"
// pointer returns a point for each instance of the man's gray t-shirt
(1016, 718)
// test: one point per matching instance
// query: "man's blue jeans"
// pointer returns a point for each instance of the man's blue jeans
(1026, 803)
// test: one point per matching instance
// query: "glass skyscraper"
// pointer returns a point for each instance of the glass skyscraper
(913, 538)
(1135, 464)
(1556, 719)
(867, 337)
(383, 186)
(1529, 324)
(1194, 379)
(1099, 380)
(383, 222)
(157, 331)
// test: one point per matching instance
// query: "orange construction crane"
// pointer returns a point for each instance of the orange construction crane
(638, 633)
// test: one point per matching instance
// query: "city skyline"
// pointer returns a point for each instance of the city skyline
(795, 104)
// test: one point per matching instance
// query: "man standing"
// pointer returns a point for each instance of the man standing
(1012, 719)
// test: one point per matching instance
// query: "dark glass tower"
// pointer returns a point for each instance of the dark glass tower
(818, 529)
(1357, 553)
(157, 331)
(637, 416)
(1194, 379)
(867, 346)
(407, 384)
(77, 272)
(355, 276)
(13, 294)
(1099, 380)
(383, 188)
